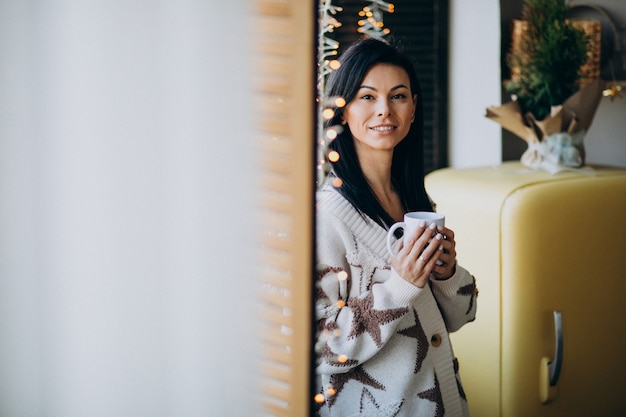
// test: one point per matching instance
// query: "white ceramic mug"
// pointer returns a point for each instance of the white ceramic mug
(411, 222)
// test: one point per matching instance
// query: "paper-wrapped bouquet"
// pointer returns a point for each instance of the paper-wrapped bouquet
(555, 85)
(557, 140)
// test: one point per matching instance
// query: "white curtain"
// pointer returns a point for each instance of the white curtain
(127, 209)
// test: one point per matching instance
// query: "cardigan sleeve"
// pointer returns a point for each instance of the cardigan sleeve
(456, 298)
(354, 322)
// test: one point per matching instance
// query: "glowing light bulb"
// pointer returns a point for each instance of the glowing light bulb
(319, 398)
(333, 156)
(342, 276)
(328, 114)
(340, 102)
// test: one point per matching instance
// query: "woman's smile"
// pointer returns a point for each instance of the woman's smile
(383, 128)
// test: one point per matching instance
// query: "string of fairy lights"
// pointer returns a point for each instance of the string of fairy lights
(370, 24)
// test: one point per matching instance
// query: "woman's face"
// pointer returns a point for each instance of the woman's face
(381, 113)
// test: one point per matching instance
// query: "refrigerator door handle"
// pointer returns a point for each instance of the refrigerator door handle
(550, 369)
(554, 366)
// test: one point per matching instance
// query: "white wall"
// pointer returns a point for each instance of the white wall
(474, 83)
(126, 187)
(605, 142)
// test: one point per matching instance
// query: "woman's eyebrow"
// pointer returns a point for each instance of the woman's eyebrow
(392, 89)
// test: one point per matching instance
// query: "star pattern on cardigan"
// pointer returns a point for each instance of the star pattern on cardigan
(328, 354)
(322, 271)
(455, 363)
(366, 319)
(417, 332)
(434, 394)
(366, 275)
(369, 407)
(338, 381)
(367, 271)
(325, 327)
(469, 290)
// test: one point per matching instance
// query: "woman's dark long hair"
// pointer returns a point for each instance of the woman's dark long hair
(407, 169)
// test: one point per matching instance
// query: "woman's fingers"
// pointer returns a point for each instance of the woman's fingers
(448, 256)
(421, 246)
(420, 242)
(433, 250)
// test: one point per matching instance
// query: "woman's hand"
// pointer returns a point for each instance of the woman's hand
(446, 267)
(420, 252)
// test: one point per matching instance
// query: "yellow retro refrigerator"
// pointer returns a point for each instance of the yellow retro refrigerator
(549, 256)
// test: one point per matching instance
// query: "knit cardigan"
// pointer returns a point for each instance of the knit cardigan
(383, 347)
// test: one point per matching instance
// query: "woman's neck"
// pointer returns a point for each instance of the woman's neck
(377, 172)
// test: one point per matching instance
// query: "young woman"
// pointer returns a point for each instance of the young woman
(383, 346)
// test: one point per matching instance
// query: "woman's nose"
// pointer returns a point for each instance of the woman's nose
(383, 107)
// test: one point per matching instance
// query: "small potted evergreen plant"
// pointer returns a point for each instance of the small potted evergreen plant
(550, 56)
(554, 96)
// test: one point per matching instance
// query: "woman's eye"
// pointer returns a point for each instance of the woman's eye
(398, 96)
(367, 97)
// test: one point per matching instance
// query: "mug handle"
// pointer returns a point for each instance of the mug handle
(390, 234)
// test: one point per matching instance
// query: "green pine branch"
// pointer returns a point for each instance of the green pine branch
(551, 53)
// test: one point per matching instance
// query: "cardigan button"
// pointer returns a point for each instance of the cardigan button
(435, 340)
